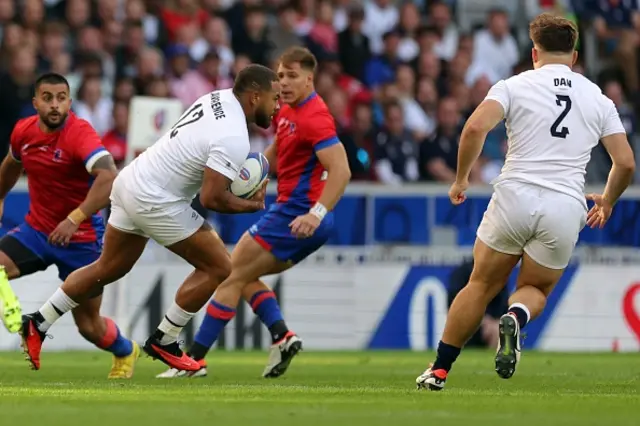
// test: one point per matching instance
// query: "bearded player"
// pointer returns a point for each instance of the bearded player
(313, 172)
(151, 198)
(70, 175)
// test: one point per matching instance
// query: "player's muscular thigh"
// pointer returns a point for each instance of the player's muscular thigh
(206, 252)
(9, 266)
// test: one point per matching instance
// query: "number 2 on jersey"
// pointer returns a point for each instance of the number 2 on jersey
(564, 131)
(194, 114)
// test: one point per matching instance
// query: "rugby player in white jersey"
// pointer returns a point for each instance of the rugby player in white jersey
(151, 198)
(554, 118)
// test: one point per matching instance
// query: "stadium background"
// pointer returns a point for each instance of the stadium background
(400, 78)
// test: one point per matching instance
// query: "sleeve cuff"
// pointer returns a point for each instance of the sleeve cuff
(93, 157)
(326, 143)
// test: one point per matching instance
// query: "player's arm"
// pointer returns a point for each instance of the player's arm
(623, 167)
(104, 171)
(225, 159)
(99, 164)
(215, 195)
(333, 157)
(614, 139)
(271, 154)
(10, 172)
(487, 116)
(11, 167)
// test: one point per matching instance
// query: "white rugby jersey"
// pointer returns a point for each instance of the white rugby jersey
(211, 133)
(554, 118)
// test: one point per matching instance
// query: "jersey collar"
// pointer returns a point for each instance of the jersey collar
(307, 99)
(556, 66)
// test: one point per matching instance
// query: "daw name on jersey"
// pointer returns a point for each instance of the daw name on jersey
(562, 82)
(216, 106)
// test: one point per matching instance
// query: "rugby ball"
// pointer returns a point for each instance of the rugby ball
(251, 176)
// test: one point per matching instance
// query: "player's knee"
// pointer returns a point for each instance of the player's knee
(220, 271)
(107, 272)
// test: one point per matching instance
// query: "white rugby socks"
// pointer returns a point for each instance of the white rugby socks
(173, 322)
(54, 308)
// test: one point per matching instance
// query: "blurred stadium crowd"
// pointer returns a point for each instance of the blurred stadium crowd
(399, 77)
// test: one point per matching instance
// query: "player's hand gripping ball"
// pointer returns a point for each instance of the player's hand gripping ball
(253, 174)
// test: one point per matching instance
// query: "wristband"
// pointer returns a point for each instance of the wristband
(319, 211)
(77, 217)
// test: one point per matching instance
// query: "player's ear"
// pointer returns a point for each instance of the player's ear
(534, 55)
(33, 102)
(575, 57)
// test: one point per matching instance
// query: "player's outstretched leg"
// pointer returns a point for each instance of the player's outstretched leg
(120, 252)
(9, 305)
(249, 262)
(535, 282)
(264, 304)
(206, 252)
(490, 273)
(105, 334)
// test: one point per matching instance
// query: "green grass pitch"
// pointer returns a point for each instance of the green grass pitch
(357, 389)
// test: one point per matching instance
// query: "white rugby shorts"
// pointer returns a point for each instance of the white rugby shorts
(527, 218)
(167, 223)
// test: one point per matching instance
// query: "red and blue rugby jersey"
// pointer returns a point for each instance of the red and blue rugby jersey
(301, 132)
(58, 166)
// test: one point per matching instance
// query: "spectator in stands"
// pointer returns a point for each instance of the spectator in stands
(153, 29)
(178, 13)
(439, 153)
(16, 87)
(359, 159)
(617, 23)
(322, 40)
(127, 54)
(408, 48)
(124, 90)
(487, 335)
(149, 64)
(92, 106)
(427, 96)
(304, 19)
(61, 64)
(396, 152)
(7, 14)
(157, 87)
(77, 15)
(89, 66)
(11, 40)
(253, 43)
(382, 68)
(380, 17)
(495, 51)
(236, 14)
(429, 66)
(216, 34)
(32, 14)
(362, 133)
(53, 44)
(447, 43)
(115, 140)
(282, 32)
(111, 39)
(416, 120)
(353, 45)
